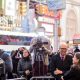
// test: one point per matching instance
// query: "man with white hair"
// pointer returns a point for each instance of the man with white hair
(61, 62)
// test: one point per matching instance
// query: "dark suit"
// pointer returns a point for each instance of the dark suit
(64, 66)
(72, 74)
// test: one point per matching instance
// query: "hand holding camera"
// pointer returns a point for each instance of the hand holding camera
(27, 72)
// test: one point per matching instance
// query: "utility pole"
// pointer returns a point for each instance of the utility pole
(56, 5)
(55, 32)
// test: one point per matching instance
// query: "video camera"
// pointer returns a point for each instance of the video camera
(39, 45)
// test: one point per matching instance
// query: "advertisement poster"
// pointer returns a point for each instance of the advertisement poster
(15, 40)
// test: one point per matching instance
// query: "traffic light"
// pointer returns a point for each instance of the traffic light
(22, 7)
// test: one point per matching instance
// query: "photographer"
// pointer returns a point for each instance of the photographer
(40, 57)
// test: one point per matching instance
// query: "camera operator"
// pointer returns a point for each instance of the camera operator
(40, 57)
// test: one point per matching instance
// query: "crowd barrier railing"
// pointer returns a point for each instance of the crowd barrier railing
(42, 78)
(17, 79)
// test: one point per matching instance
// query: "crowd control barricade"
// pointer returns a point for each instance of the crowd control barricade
(17, 79)
(43, 78)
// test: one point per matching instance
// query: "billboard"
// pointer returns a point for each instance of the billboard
(10, 7)
(15, 40)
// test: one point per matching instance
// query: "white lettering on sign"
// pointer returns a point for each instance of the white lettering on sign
(46, 19)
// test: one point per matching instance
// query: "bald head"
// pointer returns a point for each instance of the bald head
(63, 45)
(63, 49)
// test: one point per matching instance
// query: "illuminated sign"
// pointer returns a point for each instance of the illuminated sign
(46, 19)
(43, 10)
(22, 8)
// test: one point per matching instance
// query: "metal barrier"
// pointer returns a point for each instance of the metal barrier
(43, 78)
(17, 79)
(36, 78)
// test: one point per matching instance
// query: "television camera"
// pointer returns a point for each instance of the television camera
(39, 45)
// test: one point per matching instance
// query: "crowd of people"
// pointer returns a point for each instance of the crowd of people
(62, 65)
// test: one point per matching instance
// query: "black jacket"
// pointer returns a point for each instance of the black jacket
(72, 74)
(23, 65)
(56, 62)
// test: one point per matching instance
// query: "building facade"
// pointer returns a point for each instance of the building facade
(70, 21)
